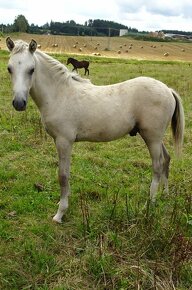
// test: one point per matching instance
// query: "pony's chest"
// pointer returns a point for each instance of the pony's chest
(58, 126)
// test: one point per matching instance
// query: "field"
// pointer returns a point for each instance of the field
(111, 236)
(119, 47)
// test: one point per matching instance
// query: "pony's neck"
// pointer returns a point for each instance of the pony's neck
(52, 80)
(49, 75)
(51, 67)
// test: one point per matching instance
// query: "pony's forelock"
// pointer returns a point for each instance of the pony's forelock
(20, 46)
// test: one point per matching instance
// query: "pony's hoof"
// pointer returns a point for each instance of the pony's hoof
(57, 219)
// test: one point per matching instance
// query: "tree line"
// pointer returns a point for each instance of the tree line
(91, 27)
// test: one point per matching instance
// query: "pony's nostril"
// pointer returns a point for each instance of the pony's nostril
(19, 105)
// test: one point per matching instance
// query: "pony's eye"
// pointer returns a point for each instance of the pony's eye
(31, 71)
(9, 69)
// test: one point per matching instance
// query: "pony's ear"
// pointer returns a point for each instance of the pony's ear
(32, 46)
(10, 43)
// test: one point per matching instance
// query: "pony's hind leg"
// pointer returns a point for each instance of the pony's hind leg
(166, 161)
(156, 152)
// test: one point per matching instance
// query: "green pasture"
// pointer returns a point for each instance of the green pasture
(111, 236)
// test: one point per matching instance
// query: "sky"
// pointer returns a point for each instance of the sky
(144, 15)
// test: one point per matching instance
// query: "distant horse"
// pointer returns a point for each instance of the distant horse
(73, 109)
(79, 64)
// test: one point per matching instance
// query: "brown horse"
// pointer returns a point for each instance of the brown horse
(79, 64)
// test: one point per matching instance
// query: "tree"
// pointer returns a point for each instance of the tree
(90, 22)
(21, 24)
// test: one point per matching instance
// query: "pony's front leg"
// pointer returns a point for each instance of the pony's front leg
(64, 153)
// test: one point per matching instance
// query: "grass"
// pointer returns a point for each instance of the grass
(109, 238)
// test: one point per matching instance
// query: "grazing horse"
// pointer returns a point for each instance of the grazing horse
(79, 64)
(73, 109)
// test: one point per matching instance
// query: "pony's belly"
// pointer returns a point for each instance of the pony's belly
(103, 135)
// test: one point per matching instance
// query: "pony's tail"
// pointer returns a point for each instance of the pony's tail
(178, 124)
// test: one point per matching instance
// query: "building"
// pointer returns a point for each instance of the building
(123, 32)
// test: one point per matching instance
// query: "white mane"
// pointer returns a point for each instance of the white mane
(59, 69)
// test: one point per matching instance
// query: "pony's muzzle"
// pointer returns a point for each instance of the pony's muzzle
(19, 104)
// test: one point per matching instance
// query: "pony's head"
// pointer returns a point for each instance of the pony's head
(21, 67)
(69, 60)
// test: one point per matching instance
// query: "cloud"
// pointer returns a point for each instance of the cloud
(140, 14)
(12, 4)
(159, 7)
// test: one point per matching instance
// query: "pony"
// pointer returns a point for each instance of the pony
(78, 64)
(73, 110)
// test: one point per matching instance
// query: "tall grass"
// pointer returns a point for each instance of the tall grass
(112, 237)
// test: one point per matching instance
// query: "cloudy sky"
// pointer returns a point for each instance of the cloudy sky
(149, 15)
